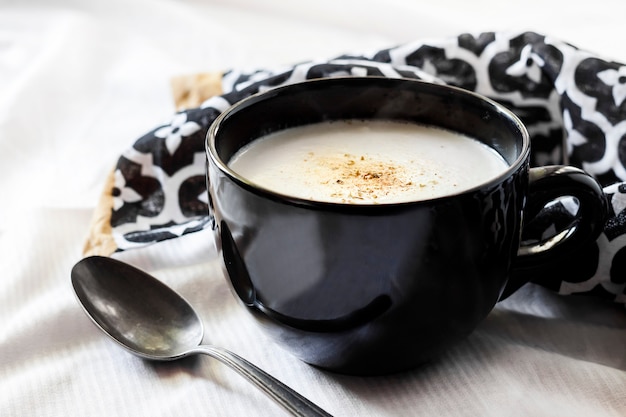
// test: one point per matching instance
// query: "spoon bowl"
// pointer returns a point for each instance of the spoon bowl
(152, 321)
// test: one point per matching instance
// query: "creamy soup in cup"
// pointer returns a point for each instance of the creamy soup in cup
(367, 162)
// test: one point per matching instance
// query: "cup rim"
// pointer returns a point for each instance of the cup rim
(213, 155)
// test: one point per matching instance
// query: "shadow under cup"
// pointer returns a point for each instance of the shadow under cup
(372, 289)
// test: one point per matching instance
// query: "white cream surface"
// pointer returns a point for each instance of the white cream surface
(367, 162)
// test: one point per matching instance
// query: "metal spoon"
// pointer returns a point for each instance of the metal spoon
(152, 321)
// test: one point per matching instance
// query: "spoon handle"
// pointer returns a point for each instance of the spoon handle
(293, 402)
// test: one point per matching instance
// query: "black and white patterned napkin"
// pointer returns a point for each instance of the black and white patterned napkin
(572, 102)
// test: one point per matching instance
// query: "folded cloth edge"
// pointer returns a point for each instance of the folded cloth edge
(100, 239)
(188, 91)
(192, 90)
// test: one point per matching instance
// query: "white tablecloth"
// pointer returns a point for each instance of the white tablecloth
(81, 80)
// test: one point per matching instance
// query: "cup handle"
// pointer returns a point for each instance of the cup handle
(547, 184)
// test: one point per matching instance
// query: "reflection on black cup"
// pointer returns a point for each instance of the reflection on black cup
(378, 288)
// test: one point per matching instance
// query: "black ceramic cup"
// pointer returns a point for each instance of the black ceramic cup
(373, 289)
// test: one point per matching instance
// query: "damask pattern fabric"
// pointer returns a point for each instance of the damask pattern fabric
(572, 102)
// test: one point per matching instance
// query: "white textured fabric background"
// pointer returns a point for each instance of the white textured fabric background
(80, 80)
